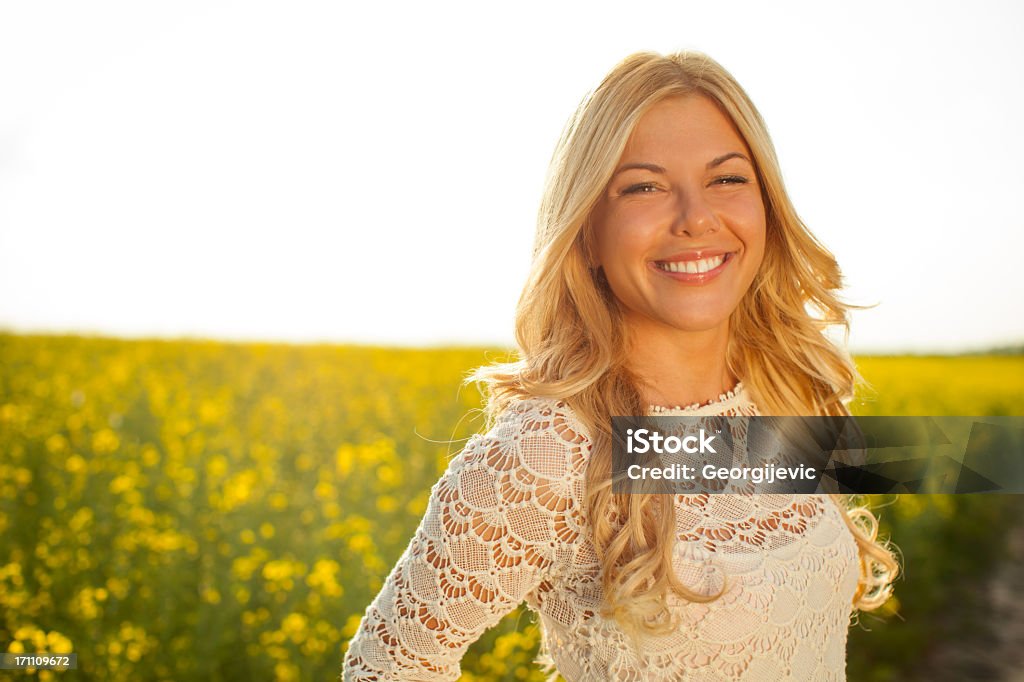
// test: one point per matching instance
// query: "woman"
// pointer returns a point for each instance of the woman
(669, 268)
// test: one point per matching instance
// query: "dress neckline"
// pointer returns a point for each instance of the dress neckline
(726, 400)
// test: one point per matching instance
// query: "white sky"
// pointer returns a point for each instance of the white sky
(371, 172)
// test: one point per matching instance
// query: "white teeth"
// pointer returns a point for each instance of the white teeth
(693, 266)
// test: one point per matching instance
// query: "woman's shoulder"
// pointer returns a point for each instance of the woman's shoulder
(541, 413)
(541, 434)
(538, 402)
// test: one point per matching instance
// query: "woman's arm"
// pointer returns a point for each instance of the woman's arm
(500, 520)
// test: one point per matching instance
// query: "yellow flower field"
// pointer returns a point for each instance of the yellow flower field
(187, 510)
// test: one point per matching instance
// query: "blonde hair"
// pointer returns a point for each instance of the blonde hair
(572, 344)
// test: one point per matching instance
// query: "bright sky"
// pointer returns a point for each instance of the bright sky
(371, 172)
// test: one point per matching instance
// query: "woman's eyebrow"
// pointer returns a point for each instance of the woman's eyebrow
(643, 166)
(717, 161)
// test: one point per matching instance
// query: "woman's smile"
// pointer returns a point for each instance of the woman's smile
(694, 268)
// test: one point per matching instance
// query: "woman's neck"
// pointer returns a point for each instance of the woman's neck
(681, 368)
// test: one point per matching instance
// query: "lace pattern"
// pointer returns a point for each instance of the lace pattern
(506, 524)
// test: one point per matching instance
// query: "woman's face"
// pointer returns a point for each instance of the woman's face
(680, 228)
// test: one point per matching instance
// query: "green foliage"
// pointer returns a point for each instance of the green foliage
(211, 511)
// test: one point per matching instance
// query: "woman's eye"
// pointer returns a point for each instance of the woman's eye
(730, 180)
(641, 188)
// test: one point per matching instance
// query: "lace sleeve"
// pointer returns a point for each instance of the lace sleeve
(501, 519)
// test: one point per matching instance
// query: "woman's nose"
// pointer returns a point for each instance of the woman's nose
(694, 217)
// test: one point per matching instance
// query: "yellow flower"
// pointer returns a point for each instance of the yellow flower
(74, 464)
(294, 626)
(387, 475)
(121, 484)
(217, 466)
(286, 672)
(57, 643)
(56, 443)
(105, 442)
(80, 520)
(118, 587)
(351, 626)
(323, 578)
(344, 460)
(324, 490)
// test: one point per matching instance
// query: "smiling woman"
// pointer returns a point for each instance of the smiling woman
(671, 275)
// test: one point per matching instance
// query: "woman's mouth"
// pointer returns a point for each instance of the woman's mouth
(694, 271)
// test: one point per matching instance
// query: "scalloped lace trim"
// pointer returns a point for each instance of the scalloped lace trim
(731, 403)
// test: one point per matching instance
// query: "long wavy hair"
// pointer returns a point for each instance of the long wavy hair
(572, 343)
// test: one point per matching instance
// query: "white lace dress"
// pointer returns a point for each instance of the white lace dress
(506, 524)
